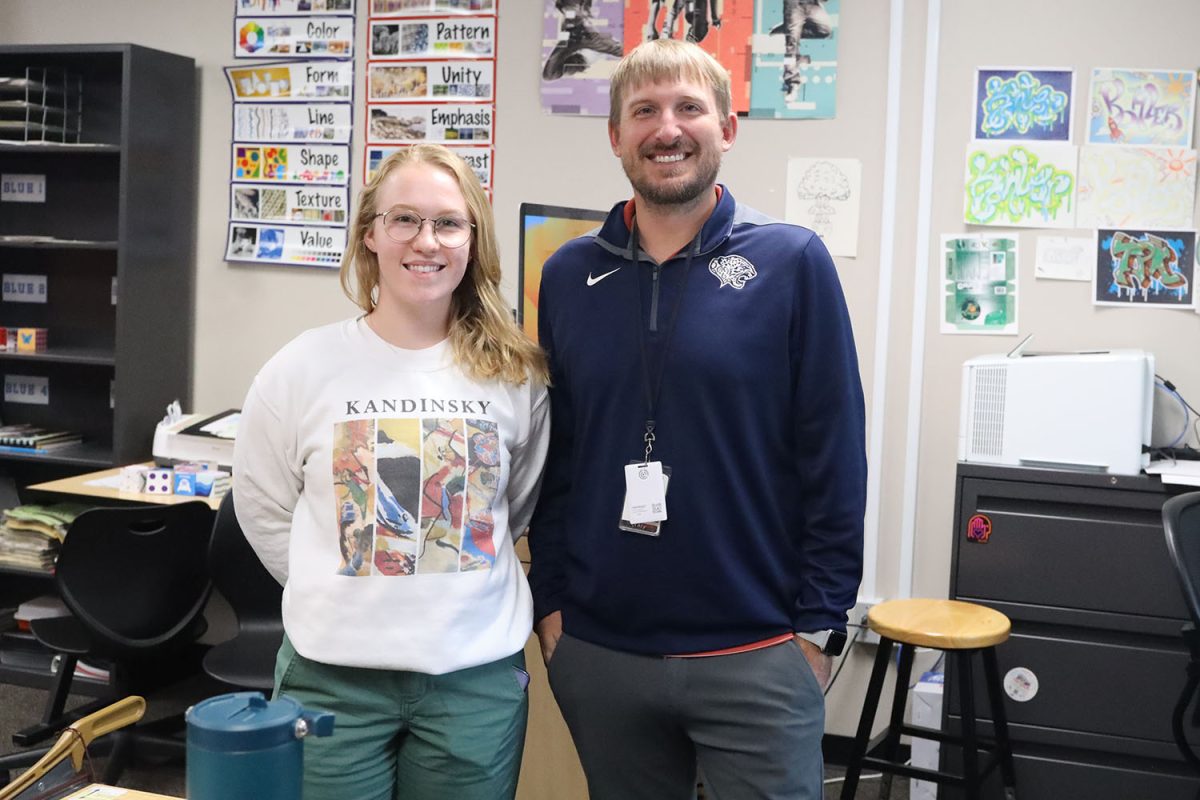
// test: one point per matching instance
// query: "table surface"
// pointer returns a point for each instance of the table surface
(77, 485)
(99, 791)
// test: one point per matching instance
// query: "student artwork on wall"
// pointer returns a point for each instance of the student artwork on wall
(1145, 268)
(581, 43)
(289, 82)
(794, 64)
(1064, 258)
(1023, 103)
(1030, 184)
(1151, 187)
(722, 28)
(1142, 107)
(544, 229)
(824, 194)
(304, 37)
(979, 284)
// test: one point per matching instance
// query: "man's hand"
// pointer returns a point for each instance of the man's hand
(549, 631)
(821, 664)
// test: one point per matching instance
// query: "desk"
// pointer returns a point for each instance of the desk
(99, 791)
(77, 485)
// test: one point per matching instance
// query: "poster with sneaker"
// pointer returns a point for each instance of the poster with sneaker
(794, 66)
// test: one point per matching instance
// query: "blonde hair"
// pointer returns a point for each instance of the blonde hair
(660, 60)
(485, 340)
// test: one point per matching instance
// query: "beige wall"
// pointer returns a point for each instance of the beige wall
(244, 313)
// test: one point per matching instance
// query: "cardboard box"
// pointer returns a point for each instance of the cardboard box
(926, 706)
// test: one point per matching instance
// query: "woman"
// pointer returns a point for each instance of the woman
(383, 466)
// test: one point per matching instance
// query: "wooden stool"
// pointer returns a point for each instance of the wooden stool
(949, 625)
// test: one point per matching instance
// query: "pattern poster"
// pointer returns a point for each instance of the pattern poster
(979, 284)
(1029, 185)
(581, 43)
(793, 71)
(1145, 268)
(1145, 107)
(1025, 104)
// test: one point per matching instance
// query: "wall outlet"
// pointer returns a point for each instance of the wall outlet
(858, 616)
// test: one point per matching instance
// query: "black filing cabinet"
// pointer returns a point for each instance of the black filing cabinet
(1095, 663)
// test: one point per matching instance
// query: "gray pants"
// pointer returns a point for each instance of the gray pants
(752, 722)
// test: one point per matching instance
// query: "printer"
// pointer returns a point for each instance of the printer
(196, 437)
(1082, 411)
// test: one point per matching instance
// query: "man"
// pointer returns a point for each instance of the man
(576, 35)
(699, 347)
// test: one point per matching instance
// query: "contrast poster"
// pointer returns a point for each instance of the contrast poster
(478, 158)
(1031, 103)
(1142, 106)
(979, 284)
(1149, 187)
(1029, 185)
(824, 194)
(581, 43)
(794, 61)
(1145, 268)
(305, 37)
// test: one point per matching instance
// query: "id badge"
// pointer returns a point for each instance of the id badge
(645, 507)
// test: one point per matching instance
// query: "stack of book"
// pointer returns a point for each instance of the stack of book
(31, 535)
(33, 439)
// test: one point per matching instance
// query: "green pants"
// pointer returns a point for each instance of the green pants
(407, 735)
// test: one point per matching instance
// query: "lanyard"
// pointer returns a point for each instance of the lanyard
(652, 388)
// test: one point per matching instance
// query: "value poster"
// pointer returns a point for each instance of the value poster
(1149, 187)
(286, 244)
(303, 37)
(425, 8)
(580, 50)
(310, 205)
(478, 157)
(430, 80)
(287, 82)
(411, 123)
(979, 284)
(1145, 268)
(293, 122)
(287, 163)
(453, 37)
(1029, 184)
(263, 8)
(794, 64)
(1142, 106)
(1032, 103)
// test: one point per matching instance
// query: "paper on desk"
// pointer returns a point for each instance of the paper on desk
(1182, 472)
(110, 482)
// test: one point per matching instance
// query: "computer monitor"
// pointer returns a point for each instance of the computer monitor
(543, 230)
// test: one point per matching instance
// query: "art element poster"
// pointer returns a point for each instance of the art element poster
(294, 7)
(275, 163)
(793, 70)
(411, 123)
(293, 122)
(281, 83)
(1149, 187)
(1029, 185)
(1026, 104)
(478, 158)
(307, 37)
(428, 8)
(455, 37)
(581, 43)
(286, 244)
(307, 205)
(1153, 107)
(979, 284)
(431, 80)
(1145, 268)
(824, 194)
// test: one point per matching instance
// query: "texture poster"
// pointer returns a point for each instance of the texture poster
(306, 205)
(1029, 185)
(581, 42)
(1145, 268)
(794, 60)
(1025, 104)
(1149, 187)
(979, 284)
(1150, 107)
(824, 194)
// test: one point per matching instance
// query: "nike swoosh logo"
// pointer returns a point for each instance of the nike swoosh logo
(593, 281)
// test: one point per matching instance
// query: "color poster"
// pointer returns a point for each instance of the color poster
(431, 80)
(721, 28)
(1147, 187)
(310, 205)
(979, 284)
(293, 122)
(410, 123)
(454, 37)
(1028, 104)
(304, 37)
(1030, 185)
(793, 71)
(425, 8)
(326, 164)
(285, 244)
(478, 158)
(824, 194)
(284, 82)
(1145, 268)
(263, 8)
(580, 48)
(1151, 107)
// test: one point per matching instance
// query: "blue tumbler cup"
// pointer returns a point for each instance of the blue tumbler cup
(240, 745)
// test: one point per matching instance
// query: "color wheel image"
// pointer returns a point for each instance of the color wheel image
(250, 37)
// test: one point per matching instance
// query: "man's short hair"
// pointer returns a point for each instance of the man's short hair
(660, 60)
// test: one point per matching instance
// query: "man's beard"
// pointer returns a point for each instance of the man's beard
(670, 192)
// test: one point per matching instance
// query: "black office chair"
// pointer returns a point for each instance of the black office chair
(136, 582)
(1181, 522)
(247, 661)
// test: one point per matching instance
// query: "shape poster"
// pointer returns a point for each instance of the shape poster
(410, 123)
(286, 244)
(1149, 187)
(979, 284)
(478, 157)
(264, 8)
(1145, 268)
(323, 164)
(1029, 185)
(304, 122)
(285, 82)
(1027, 104)
(1151, 107)
(580, 49)
(308, 205)
(431, 80)
(454, 37)
(824, 194)
(424, 8)
(305, 37)
(723, 29)
(794, 71)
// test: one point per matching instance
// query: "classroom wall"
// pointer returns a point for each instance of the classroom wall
(245, 312)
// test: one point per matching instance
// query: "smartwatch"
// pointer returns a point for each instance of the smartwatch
(830, 642)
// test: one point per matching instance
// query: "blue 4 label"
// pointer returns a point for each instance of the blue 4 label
(29, 389)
